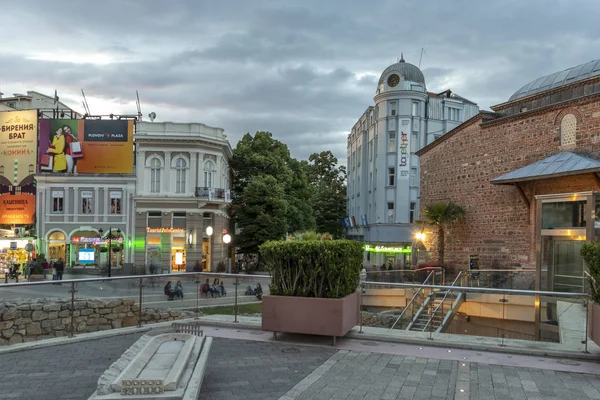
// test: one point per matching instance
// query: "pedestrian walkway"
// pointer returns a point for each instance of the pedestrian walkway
(249, 364)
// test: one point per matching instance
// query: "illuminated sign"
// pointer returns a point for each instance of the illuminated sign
(95, 241)
(386, 249)
(165, 230)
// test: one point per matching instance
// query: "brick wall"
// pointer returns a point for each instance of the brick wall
(498, 225)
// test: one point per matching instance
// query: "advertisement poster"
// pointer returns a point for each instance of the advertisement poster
(18, 143)
(86, 146)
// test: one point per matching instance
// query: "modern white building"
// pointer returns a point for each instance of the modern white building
(383, 170)
(183, 186)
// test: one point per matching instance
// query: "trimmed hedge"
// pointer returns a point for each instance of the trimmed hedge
(590, 252)
(313, 268)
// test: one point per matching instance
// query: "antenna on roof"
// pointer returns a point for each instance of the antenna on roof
(139, 106)
(420, 58)
(85, 104)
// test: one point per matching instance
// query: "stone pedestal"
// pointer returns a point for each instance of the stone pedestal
(169, 366)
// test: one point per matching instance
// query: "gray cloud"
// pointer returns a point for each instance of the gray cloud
(304, 70)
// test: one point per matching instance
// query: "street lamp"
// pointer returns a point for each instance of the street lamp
(209, 232)
(226, 240)
(109, 247)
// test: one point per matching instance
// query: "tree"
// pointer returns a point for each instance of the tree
(298, 194)
(263, 216)
(327, 181)
(440, 215)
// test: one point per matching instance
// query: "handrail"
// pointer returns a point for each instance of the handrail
(500, 270)
(442, 302)
(130, 277)
(412, 299)
(483, 290)
(406, 270)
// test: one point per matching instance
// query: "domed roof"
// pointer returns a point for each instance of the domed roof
(558, 79)
(409, 71)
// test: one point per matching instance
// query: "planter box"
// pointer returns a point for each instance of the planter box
(594, 322)
(309, 315)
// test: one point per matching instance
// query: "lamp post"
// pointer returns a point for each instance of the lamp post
(209, 232)
(109, 247)
(226, 240)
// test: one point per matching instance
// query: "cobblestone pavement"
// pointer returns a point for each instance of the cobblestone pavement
(69, 371)
(253, 367)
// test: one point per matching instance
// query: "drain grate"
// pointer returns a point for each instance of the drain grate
(370, 343)
(290, 350)
(568, 362)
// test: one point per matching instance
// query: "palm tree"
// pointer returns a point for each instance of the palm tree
(440, 215)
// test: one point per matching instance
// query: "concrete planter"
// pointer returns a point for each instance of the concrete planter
(594, 322)
(309, 315)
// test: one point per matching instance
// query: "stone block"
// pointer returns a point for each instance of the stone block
(8, 333)
(129, 321)
(34, 329)
(80, 305)
(135, 308)
(52, 323)
(22, 321)
(87, 311)
(21, 332)
(46, 329)
(128, 302)
(6, 325)
(122, 315)
(104, 327)
(120, 309)
(39, 316)
(23, 307)
(81, 327)
(11, 315)
(174, 314)
(117, 323)
(111, 316)
(64, 313)
(36, 307)
(97, 321)
(114, 303)
(26, 314)
(60, 333)
(53, 315)
(104, 311)
(51, 307)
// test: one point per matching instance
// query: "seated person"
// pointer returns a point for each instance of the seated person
(169, 290)
(178, 291)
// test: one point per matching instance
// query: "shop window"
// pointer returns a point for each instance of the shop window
(181, 166)
(413, 209)
(86, 202)
(392, 142)
(154, 220)
(58, 201)
(155, 175)
(209, 171)
(568, 129)
(391, 176)
(115, 202)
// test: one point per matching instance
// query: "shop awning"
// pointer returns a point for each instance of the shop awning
(564, 163)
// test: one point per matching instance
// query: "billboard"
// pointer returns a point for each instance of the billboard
(86, 146)
(18, 143)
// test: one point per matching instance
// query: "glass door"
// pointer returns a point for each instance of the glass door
(568, 266)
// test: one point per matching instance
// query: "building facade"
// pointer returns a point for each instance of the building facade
(528, 175)
(76, 214)
(183, 187)
(383, 169)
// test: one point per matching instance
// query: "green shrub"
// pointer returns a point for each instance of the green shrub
(313, 268)
(591, 255)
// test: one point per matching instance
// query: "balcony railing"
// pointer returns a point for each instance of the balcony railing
(207, 193)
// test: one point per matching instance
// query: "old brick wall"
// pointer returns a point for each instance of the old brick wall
(498, 226)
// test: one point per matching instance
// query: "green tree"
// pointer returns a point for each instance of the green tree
(590, 252)
(328, 186)
(263, 216)
(439, 216)
(298, 194)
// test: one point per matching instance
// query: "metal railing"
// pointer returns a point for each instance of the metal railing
(411, 302)
(137, 287)
(499, 278)
(407, 275)
(442, 301)
(208, 193)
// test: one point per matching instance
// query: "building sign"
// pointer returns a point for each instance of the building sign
(386, 249)
(86, 194)
(404, 167)
(18, 143)
(165, 230)
(86, 146)
(95, 241)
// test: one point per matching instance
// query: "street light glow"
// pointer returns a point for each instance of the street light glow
(226, 238)
(209, 230)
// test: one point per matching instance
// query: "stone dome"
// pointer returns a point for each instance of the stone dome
(408, 71)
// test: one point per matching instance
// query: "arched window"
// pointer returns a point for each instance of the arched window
(568, 129)
(180, 167)
(155, 175)
(209, 174)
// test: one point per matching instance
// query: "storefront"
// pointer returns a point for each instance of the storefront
(170, 238)
(16, 251)
(397, 256)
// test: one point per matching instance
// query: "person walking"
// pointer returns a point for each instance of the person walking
(46, 269)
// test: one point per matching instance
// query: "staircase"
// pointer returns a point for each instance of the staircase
(436, 312)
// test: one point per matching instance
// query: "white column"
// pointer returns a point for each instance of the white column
(166, 182)
(193, 173)
(96, 208)
(66, 198)
(106, 205)
(140, 172)
(200, 169)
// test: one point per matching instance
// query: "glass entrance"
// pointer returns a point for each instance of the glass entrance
(568, 266)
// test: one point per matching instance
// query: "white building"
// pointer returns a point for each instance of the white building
(383, 171)
(38, 101)
(183, 186)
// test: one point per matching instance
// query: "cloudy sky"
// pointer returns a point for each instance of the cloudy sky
(304, 70)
